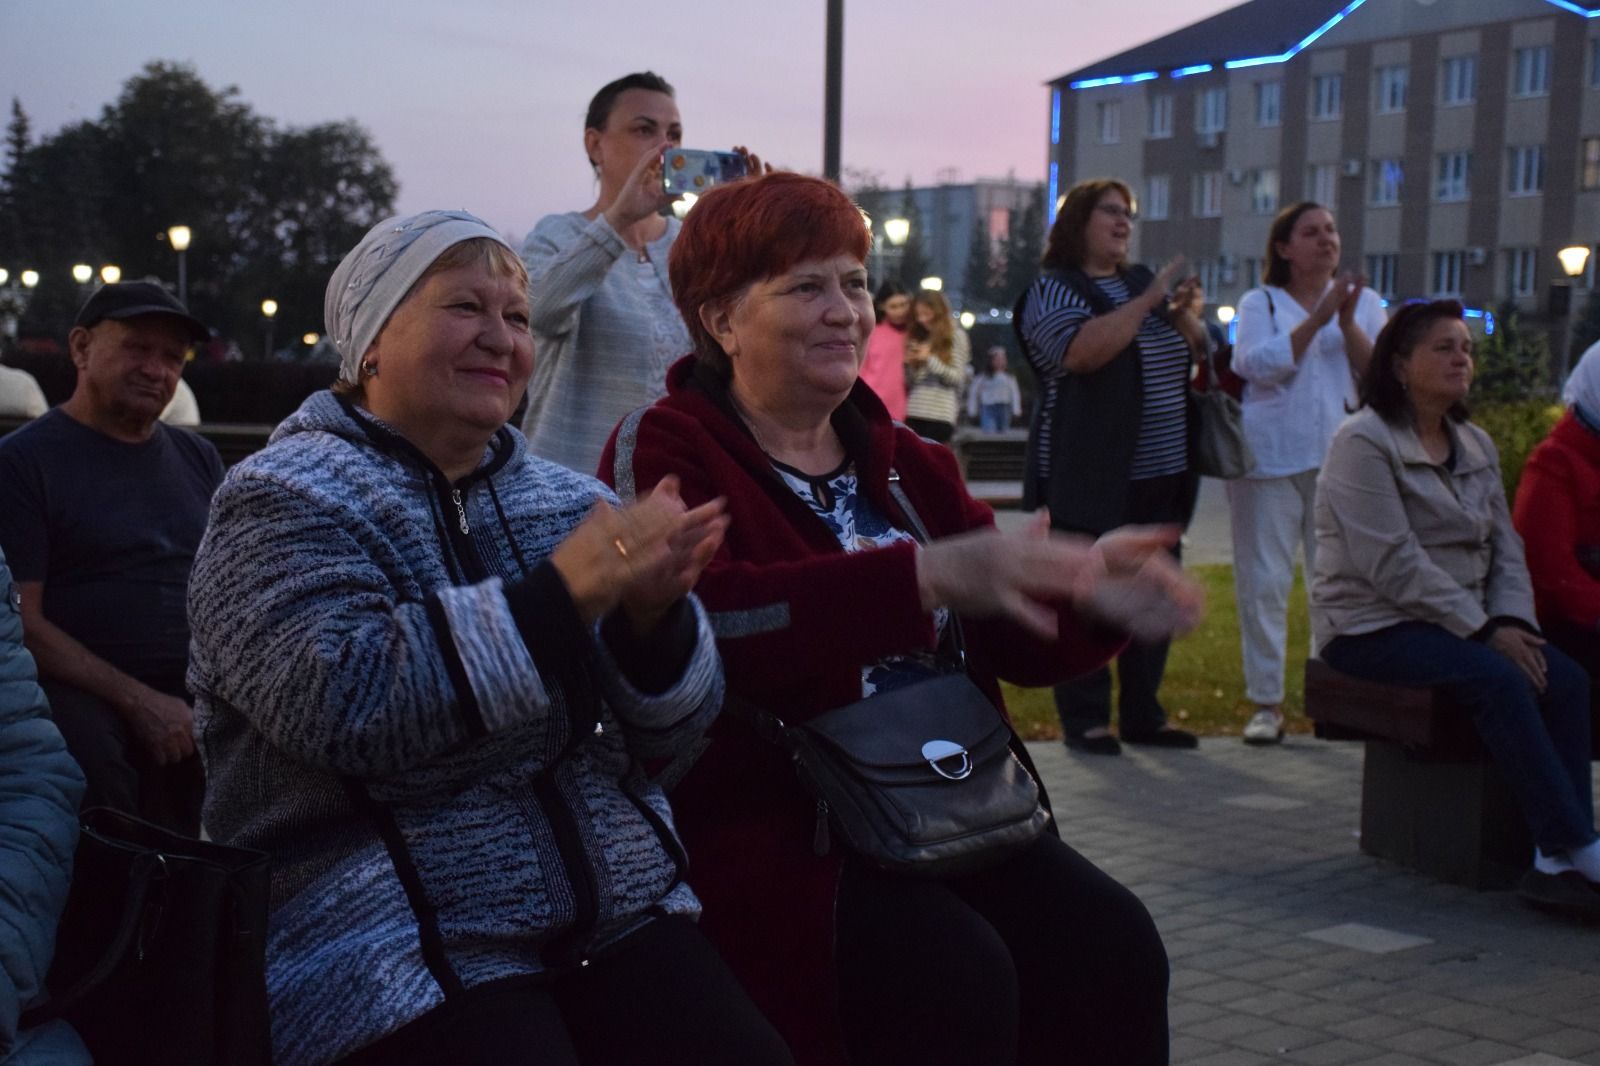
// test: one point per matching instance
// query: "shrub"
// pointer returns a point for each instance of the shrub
(1516, 428)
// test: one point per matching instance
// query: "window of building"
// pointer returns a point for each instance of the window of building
(1392, 85)
(1108, 117)
(1383, 183)
(1381, 273)
(1521, 264)
(1157, 197)
(1458, 80)
(1252, 271)
(1263, 192)
(1269, 103)
(1208, 194)
(1450, 182)
(1447, 267)
(1161, 115)
(1327, 96)
(1591, 163)
(1525, 170)
(1322, 183)
(1530, 71)
(1594, 65)
(1211, 111)
(1207, 271)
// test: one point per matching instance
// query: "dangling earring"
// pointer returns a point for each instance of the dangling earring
(369, 368)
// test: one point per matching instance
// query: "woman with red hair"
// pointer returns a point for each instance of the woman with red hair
(821, 596)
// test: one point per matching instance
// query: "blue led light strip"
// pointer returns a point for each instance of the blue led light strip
(1261, 61)
(1055, 117)
(1055, 184)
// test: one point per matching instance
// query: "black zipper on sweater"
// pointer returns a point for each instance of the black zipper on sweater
(569, 947)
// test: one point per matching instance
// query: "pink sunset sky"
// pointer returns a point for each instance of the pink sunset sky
(479, 103)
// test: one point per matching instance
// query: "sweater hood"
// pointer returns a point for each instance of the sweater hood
(323, 412)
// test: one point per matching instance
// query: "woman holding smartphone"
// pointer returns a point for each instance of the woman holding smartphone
(603, 319)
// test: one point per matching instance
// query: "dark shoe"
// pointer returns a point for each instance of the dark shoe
(1568, 894)
(1165, 737)
(1104, 744)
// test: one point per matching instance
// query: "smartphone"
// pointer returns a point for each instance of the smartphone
(687, 170)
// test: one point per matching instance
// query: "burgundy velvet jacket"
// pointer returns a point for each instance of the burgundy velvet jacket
(1558, 514)
(796, 619)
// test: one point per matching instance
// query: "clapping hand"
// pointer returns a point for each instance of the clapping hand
(1138, 586)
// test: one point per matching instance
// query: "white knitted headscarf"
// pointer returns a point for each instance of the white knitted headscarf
(369, 283)
(1583, 385)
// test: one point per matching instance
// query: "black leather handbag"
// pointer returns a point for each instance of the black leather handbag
(160, 954)
(928, 779)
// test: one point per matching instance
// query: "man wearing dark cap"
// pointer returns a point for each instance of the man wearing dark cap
(101, 510)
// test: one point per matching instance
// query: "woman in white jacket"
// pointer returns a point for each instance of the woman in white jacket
(1304, 338)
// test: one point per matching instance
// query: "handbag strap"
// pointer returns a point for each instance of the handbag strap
(146, 868)
(920, 531)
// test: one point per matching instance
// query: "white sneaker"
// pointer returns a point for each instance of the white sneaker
(1264, 727)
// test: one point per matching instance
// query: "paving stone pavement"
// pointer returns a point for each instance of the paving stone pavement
(1290, 946)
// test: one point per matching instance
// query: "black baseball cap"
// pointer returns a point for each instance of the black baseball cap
(130, 299)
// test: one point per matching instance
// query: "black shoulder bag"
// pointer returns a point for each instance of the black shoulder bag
(924, 779)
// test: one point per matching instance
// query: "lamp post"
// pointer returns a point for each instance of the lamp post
(932, 283)
(1573, 259)
(895, 231)
(968, 319)
(110, 274)
(1225, 315)
(82, 273)
(269, 311)
(179, 237)
(30, 278)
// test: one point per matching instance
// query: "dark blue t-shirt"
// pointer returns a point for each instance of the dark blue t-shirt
(111, 529)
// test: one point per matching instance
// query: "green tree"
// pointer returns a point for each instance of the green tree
(17, 136)
(913, 260)
(1512, 363)
(978, 283)
(1024, 245)
(271, 210)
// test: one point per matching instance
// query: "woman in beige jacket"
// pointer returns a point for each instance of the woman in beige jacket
(1420, 580)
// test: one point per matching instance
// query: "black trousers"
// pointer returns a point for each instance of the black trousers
(118, 771)
(1042, 959)
(1084, 703)
(932, 428)
(661, 996)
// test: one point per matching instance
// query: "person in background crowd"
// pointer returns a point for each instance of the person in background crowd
(1420, 580)
(1304, 338)
(603, 316)
(20, 395)
(938, 359)
(994, 401)
(883, 367)
(1110, 440)
(184, 410)
(101, 510)
(1558, 515)
(428, 667)
(822, 597)
(40, 787)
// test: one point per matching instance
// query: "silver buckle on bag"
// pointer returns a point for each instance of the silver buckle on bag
(937, 751)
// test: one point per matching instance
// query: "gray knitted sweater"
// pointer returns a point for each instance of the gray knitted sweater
(397, 700)
(606, 330)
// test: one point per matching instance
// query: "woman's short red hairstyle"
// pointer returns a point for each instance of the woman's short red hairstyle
(751, 230)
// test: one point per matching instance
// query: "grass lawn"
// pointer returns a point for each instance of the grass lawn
(1204, 687)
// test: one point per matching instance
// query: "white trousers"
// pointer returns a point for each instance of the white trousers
(1268, 516)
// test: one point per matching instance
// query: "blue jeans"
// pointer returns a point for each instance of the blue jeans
(1540, 740)
(996, 417)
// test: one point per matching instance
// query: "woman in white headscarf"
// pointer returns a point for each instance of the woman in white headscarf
(1558, 514)
(428, 668)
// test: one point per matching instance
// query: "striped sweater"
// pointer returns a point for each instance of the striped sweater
(397, 700)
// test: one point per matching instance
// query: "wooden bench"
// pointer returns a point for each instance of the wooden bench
(1431, 798)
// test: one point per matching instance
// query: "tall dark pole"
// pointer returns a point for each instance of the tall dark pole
(833, 90)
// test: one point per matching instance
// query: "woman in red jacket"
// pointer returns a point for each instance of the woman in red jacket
(1558, 514)
(820, 597)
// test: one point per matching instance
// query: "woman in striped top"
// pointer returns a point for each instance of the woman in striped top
(938, 353)
(1110, 442)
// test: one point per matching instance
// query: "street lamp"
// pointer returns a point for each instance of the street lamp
(178, 237)
(110, 274)
(968, 319)
(932, 284)
(1225, 315)
(310, 340)
(1573, 259)
(897, 230)
(5, 275)
(30, 278)
(82, 272)
(269, 311)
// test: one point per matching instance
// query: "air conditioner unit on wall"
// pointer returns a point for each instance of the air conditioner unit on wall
(1477, 256)
(1352, 168)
